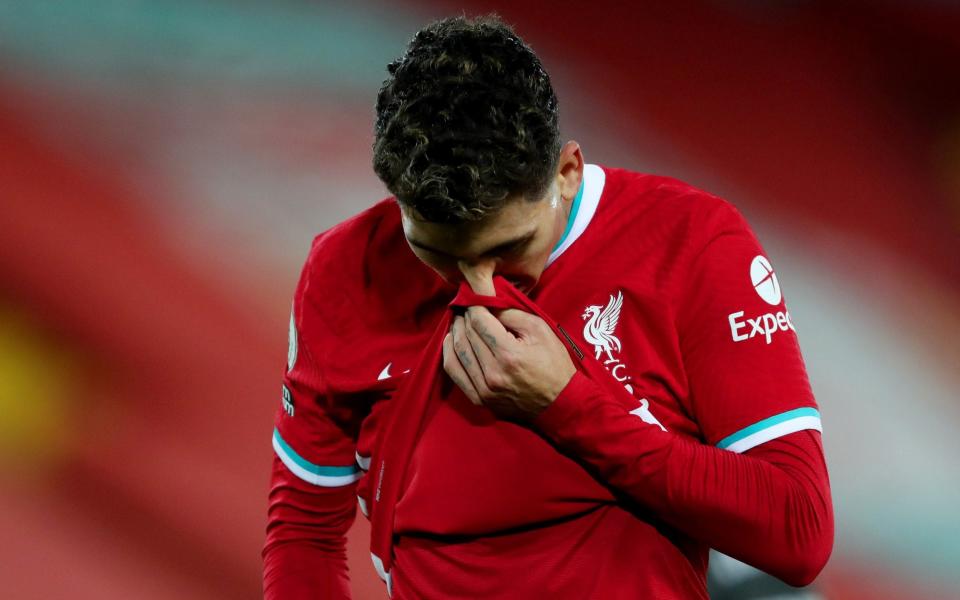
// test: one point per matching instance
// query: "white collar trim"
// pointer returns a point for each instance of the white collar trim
(593, 181)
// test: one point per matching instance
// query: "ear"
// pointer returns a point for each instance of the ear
(569, 170)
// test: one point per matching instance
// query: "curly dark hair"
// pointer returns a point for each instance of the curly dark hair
(466, 119)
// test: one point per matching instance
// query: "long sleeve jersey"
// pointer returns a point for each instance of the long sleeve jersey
(664, 285)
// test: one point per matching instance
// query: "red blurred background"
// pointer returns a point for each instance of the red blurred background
(164, 166)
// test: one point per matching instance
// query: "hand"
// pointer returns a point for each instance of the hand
(513, 364)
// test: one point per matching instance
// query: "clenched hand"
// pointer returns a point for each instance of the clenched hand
(512, 363)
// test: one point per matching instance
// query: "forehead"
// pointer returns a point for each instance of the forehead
(517, 218)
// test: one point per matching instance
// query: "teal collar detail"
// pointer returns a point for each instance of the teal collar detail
(573, 216)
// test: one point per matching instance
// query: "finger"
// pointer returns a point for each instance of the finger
(455, 370)
(467, 357)
(481, 349)
(491, 331)
(523, 323)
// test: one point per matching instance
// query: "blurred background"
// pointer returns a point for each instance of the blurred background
(164, 166)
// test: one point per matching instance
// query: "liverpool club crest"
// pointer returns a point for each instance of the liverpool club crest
(600, 327)
(600, 330)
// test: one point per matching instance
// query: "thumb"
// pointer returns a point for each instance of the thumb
(479, 277)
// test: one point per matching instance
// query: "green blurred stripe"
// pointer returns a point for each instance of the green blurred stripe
(299, 44)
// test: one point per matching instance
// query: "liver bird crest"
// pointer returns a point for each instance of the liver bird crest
(601, 323)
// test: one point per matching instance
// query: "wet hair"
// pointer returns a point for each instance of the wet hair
(466, 119)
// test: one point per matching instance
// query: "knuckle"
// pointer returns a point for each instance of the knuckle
(496, 382)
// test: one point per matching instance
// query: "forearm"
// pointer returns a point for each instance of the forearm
(300, 571)
(770, 508)
(305, 552)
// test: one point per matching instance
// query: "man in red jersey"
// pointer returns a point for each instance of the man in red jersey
(616, 389)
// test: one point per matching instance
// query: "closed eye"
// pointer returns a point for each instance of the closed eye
(511, 247)
(505, 248)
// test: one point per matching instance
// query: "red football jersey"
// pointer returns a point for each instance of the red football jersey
(664, 284)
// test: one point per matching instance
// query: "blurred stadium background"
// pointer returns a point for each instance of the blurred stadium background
(165, 164)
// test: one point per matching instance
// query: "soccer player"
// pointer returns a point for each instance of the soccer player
(541, 378)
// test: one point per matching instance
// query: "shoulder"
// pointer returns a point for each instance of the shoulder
(361, 273)
(656, 231)
(666, 197)
(666, 210)
(340, 249)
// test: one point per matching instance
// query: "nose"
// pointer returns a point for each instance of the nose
(479, 275)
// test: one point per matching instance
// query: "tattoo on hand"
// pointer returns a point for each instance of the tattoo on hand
(486, 335)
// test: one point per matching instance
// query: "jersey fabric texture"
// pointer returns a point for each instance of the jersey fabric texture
(667, 291)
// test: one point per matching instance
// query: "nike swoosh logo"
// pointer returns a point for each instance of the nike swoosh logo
(385, 373)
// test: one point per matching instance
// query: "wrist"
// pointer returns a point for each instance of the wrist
(567, 405)
(556, 388)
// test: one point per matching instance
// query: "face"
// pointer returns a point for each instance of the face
(514, 242)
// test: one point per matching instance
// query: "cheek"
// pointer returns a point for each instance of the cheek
(526, 270)
(446, 269)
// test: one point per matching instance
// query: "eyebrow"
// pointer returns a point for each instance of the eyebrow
(502, 246)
